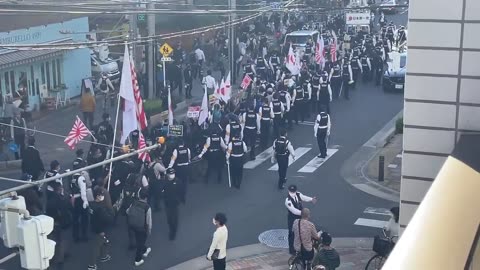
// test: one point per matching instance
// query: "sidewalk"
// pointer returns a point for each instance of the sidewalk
(361, 169)
(354, 255)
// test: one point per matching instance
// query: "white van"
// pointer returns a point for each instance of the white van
(299, 38)
(108, 66)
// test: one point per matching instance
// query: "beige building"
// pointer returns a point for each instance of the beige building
(442, 95)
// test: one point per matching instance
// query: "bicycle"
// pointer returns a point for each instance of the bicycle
(382, 247)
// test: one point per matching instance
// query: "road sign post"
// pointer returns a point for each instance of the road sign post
(165, 50)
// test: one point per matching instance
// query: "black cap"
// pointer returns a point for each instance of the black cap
(54, 164)
(292, 188)
(326, 238)
(170, 171)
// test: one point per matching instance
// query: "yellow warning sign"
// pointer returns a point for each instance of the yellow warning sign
(166, 50)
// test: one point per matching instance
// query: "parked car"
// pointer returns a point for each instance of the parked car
(108, 66)
(394, 76)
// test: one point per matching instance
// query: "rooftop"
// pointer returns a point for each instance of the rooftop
(21, 21)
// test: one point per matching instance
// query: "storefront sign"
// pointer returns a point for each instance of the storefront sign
(175, 130)
(20, 38)
(193, 111)
(359, 18)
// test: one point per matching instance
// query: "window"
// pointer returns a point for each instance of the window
(32, 81)
(54, 74)
(43, 73)
(12, 81)
(47, 68)
(59, 72)
(7, 83)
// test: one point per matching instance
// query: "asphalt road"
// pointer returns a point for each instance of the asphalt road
(258, 206)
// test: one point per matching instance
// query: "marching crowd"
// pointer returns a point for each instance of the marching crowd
(275, 98)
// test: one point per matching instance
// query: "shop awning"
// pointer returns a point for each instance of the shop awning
(16, 58)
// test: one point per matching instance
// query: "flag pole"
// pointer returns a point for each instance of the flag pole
(113, 143)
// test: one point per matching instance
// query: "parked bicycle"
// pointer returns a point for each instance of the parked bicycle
(382, 246)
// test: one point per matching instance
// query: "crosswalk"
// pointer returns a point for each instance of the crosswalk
(309, 167)
(374, 217)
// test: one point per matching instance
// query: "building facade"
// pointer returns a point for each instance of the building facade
(442, 94)
(44, 72)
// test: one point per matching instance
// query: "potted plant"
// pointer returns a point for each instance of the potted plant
(152, 107)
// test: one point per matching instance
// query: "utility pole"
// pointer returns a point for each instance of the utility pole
(151, 51)
(232, 4)
(133, 32)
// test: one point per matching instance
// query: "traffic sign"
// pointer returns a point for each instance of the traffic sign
(166, 50)
(167, 59)
(141, 17)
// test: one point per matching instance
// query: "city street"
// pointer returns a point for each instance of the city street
(258, 206)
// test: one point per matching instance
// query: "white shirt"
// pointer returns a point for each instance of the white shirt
(392, 227)
(207, 145)
(289, 205)
(199, 54)
(209, 81)
(219, 241)
(174, 157)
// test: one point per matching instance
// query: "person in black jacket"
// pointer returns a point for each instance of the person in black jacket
(101, 219)
(59, 208)
(32, 164)
(326, 256)
(188, 78)
(171, 195)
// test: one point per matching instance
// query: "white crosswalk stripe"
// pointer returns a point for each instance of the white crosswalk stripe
(316, 162)
(377, 218)
(299, 152)
(259, 159)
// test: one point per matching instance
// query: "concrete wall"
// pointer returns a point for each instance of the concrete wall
(442, 94)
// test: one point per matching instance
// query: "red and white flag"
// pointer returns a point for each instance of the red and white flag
(144, 156)
(129, 114)
(319, 50)
(333, 48)
(246, 82)
(224, 91)
(78, 132)
(293, 62)
(141, 117)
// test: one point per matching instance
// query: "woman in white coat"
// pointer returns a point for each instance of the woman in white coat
(218, 249)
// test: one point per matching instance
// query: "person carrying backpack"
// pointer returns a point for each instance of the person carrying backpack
(135, 181)
(154, 173)
(140, 221)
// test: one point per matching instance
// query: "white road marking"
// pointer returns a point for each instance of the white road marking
(399, 156)
(392, 166)
(299, 152)
(316, 162)
(307, 123)
(371, 223)
(404, 11)
(259, 159)
(377, 211)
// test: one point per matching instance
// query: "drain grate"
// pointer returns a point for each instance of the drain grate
(274, 238)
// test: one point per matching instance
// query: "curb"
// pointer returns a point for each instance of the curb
(10, 164)
(353, 169)
(243, 252)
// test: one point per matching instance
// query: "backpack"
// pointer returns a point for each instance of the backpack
(130, 190)
(137, 216)
(103, 85)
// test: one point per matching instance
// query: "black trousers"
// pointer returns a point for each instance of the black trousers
(154, 194)
(140, 240)
(282, 161)
(378, 75)
(171, 210)
(346, 87)
(323, 104)
(366, 74)
(277, 123)
(336, 83)
(188, 88)
(288, 117)
(219, 264)
(88, 118)
(264, 132)
(250, 138)
(321, 141)
(299, 110)
(20, 141)
(183, 175)
(355, 75)
(291, 236)
(236, 171)
(80, 220)
(215, 165)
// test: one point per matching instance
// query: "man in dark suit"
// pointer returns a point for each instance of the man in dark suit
(32, 164)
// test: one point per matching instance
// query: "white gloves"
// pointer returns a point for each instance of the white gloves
(85, 205)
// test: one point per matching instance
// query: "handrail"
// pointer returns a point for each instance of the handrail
(442, 233)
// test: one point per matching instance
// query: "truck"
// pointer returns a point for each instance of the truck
(358, 20)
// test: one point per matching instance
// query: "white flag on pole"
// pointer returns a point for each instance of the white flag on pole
(129, 114)
(204, 109)
(292, 62)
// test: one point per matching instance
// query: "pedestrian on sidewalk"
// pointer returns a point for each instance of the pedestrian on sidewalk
(305, 232)
(218, 249)
(101, 220)
(140, 221)
(293, 202)
(321, 131)
(32, 164)
(17, 131)
(87, 106)
(326, 256)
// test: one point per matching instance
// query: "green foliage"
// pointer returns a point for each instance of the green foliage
(399, 126)
(152, 106)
